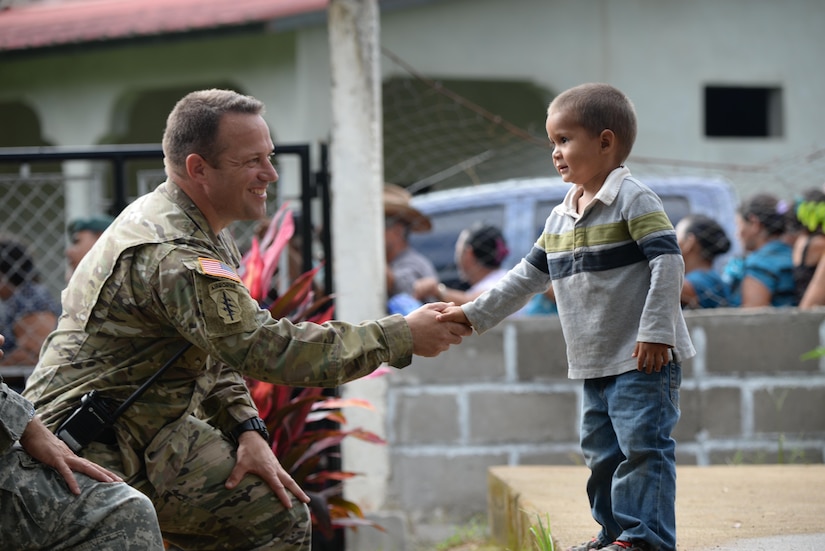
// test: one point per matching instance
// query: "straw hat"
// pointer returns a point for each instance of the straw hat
(397, 205)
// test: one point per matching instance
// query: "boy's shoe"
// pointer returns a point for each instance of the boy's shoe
(626, 546)
(594, 544)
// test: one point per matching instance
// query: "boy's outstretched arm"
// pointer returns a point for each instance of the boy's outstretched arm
(453, 314)
(651, 356)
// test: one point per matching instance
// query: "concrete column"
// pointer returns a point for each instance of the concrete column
(356, 158)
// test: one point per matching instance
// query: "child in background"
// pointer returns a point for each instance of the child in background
(701, 240)
(617, 271)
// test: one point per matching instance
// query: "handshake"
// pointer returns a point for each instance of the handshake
(435, 326)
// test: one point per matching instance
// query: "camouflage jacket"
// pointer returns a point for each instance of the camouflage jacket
(15, 414)
(157, 278)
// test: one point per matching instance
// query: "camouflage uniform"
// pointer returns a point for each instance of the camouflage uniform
(37, 510)
(160, 277)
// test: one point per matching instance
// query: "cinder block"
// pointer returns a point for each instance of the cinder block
(392, 538)
(542, 352)
(771, 453)
(478, 358)
(793, 410)
(441, 487)
(507, 416)
(758, 340)
(425, 419)
(718, 411)
(685, 457)
(571, 457)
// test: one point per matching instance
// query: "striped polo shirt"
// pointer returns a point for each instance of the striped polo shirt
(617, 273)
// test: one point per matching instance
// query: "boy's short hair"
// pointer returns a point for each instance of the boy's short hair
(599, 106)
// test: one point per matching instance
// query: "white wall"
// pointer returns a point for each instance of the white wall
(660, 52)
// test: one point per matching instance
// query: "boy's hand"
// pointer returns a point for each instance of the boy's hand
(431, 337)
(453, 313)
(651, 356)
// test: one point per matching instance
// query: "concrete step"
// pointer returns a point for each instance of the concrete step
(747, 507)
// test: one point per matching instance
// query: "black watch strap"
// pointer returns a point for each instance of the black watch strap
(256, 423)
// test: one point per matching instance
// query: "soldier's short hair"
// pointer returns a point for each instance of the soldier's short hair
(192, 126)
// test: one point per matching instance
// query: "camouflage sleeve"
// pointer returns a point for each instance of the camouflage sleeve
(229, 403)
(205, 299)
(15, 414)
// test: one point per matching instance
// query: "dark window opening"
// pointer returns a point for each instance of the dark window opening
(741, 111)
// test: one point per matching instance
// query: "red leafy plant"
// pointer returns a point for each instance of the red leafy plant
(303, 423)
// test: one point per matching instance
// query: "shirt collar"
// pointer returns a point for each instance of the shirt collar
(606, 194)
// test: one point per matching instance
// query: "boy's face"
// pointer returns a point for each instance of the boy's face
(579, 157)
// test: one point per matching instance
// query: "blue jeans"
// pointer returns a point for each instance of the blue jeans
(627, 420)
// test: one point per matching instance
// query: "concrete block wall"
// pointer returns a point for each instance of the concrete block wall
(503, 398)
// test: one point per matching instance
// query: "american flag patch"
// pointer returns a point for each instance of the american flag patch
(213, 267)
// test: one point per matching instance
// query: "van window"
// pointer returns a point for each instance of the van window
(676, 207)
(439, 244)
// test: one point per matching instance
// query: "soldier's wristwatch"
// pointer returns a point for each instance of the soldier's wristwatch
(256, 423)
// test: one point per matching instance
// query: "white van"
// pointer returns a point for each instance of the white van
(520, 208)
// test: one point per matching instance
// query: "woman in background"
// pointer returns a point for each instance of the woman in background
(479, 252)
(765, 276)
(701, 240)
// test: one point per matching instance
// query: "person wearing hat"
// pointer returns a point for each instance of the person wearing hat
(405, 265)
(83, 233)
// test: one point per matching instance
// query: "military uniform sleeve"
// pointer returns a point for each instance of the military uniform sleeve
(207, 301)
(15, 414)
(229, 402)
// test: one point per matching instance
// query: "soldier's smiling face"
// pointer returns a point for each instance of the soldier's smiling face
(238, 178)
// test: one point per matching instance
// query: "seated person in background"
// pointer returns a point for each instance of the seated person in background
(479, 252)
(83, 233)
(764, 277)
(701, 240)
(405, 265)
(809, 246)
(30, 312)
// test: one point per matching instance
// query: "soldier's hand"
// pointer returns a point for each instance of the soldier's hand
(41, 444)
(431, 337)
(255, 456)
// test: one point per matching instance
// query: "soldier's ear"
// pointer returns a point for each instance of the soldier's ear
(196, 166)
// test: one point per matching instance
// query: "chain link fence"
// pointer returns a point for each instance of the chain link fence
(34, 214)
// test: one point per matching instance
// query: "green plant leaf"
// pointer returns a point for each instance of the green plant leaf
(815, 353)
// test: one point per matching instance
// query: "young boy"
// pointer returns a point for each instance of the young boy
(616, 269)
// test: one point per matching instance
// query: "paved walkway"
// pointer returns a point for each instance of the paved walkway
(718, 508)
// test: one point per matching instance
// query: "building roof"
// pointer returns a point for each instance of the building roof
(51, 23)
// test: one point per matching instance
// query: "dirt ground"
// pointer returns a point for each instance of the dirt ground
(747, 507)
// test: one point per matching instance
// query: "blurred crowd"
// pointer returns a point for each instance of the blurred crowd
(779, 260)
